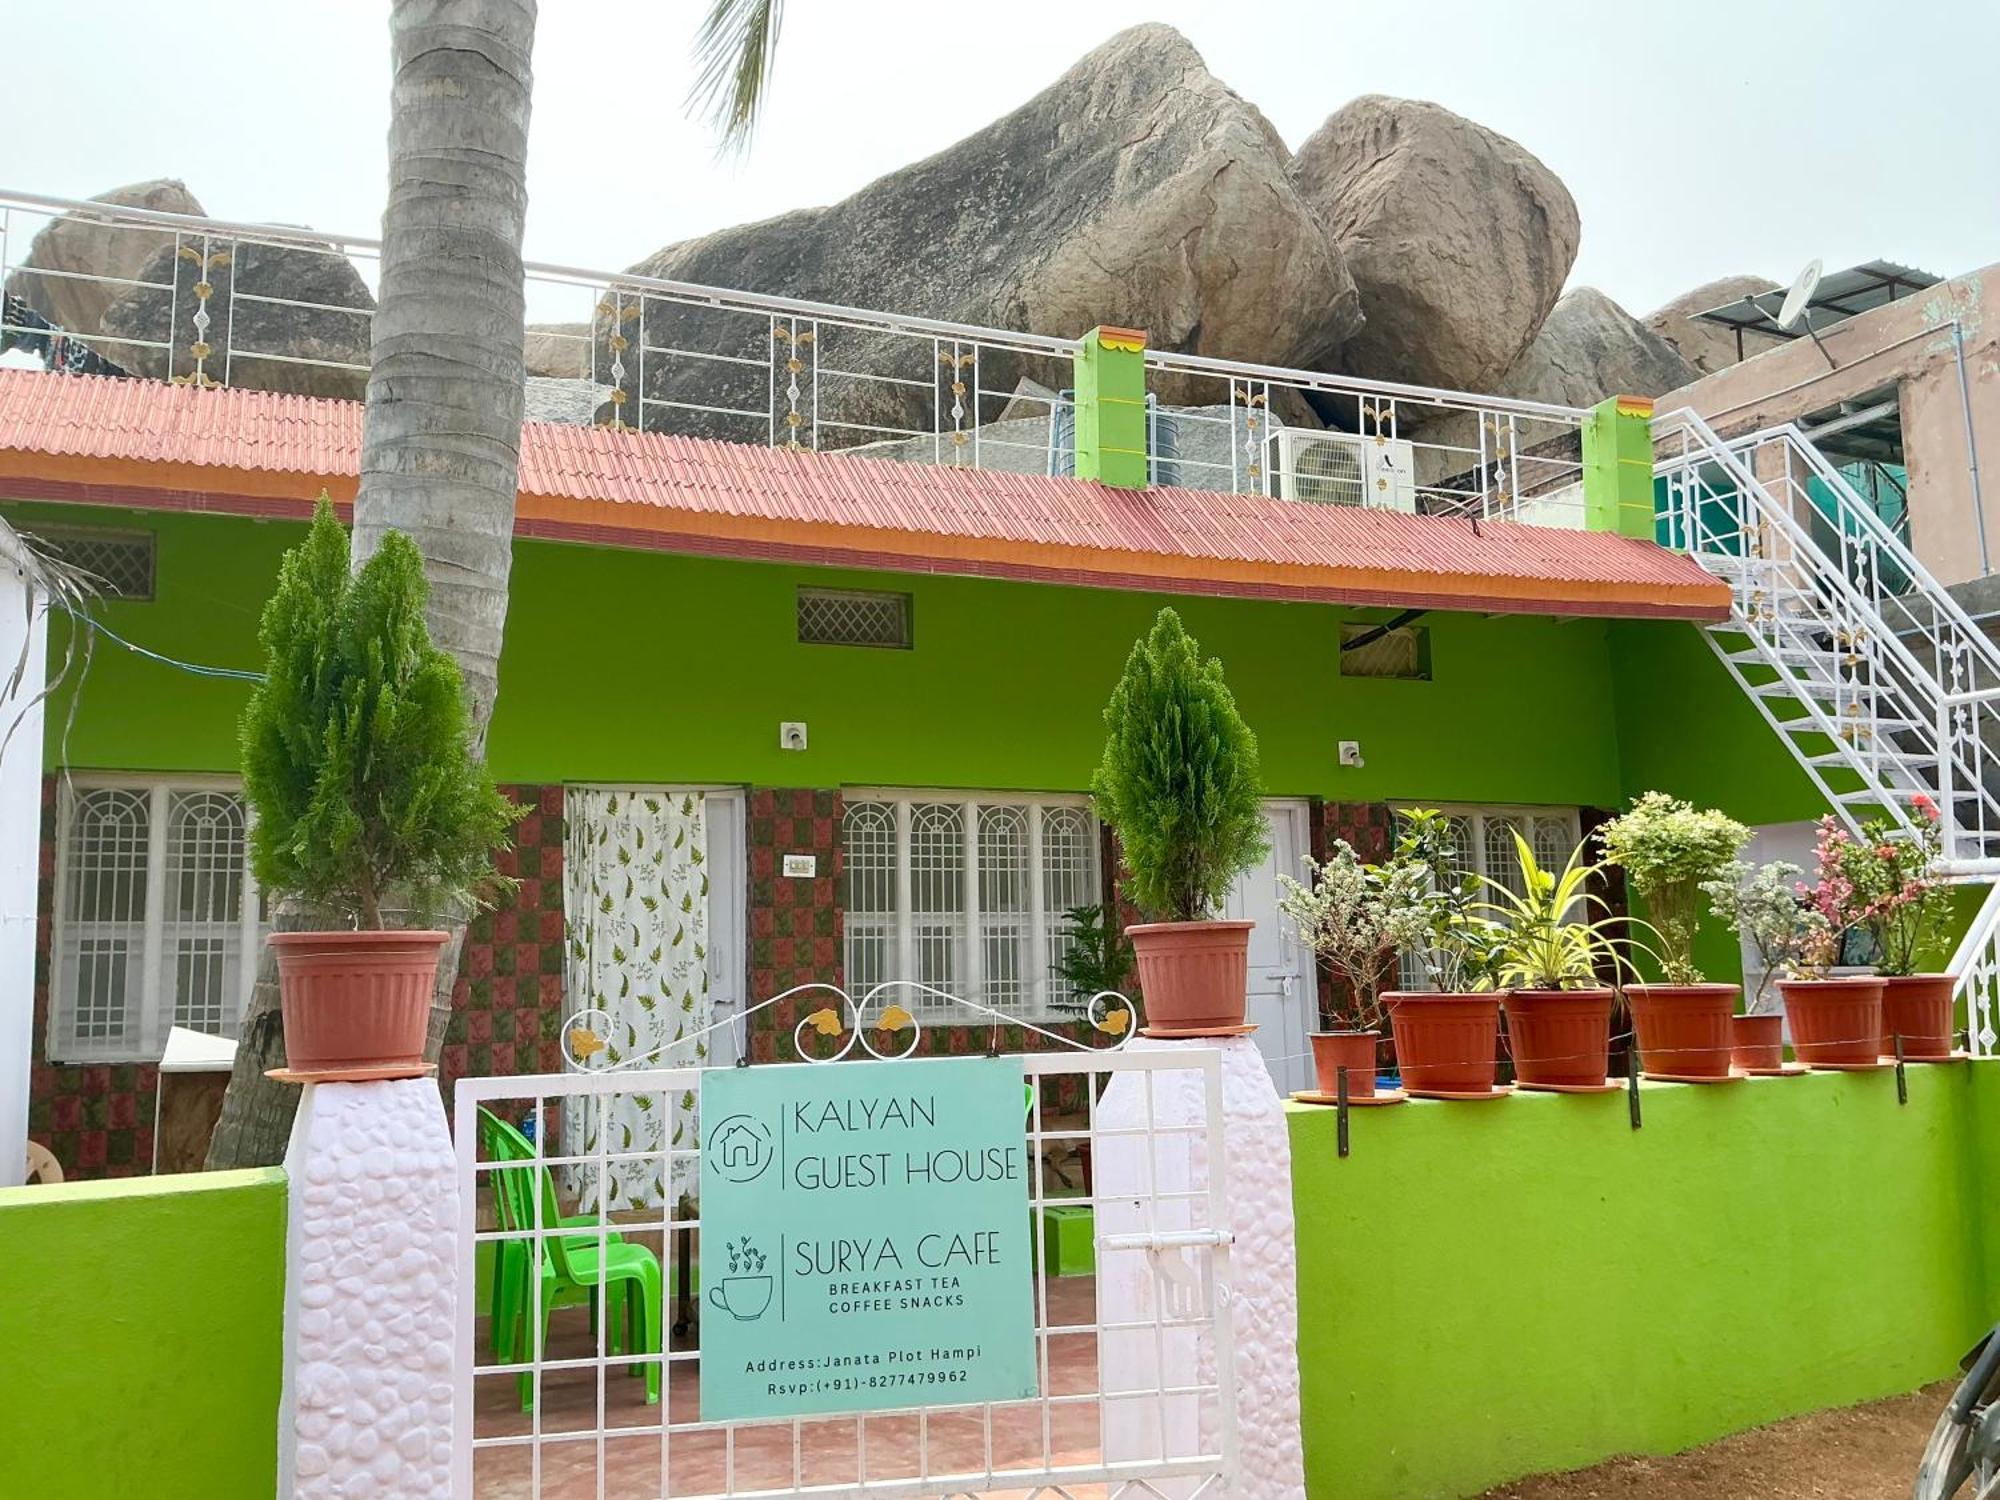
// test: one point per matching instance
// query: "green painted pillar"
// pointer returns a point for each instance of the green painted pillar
(1618, 466)
(1111, 407)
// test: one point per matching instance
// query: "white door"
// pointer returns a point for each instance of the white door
(728, 942)
(1283, 999)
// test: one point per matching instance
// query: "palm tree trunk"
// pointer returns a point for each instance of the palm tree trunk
(441, 446)
(442, 428)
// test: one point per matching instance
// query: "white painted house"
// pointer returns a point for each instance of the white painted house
(24, 601)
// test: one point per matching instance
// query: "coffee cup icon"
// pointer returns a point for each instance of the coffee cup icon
(744, 1298)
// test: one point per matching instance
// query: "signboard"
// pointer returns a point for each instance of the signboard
(864, 1237)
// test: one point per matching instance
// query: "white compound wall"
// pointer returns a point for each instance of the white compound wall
(371, 1297)
(1263, 1299)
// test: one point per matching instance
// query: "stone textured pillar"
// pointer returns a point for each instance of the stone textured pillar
(1263, 1301)
(370, 1294)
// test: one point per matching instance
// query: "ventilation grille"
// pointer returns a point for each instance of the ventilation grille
(1404, 652)
(854, 617)
(1325, 470)
(119, 564)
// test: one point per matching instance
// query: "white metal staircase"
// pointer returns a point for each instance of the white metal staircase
(1879, 683)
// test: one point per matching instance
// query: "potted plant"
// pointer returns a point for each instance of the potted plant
(1558, 1009)
(1669, 850)
(1910, 909)
(1762, 906)
(1447, 1036)
(1836, 1020)
(1178, 784)
(1095, 960)
(371, 808)
(1354, 917)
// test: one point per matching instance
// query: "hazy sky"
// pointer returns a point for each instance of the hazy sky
(1699, 137)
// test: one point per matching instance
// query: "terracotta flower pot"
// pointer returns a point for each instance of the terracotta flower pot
(1918, 1008)
(1352, 1050)
(1560, 1038)
(1757, 1041)
(1194, 976)
(1836, 1021)
(1445, 1043)
(356, 1000)
(1685, 1030)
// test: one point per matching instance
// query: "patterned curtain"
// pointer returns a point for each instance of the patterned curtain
(635, 917)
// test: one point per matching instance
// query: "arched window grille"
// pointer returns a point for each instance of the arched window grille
(156, 922)
(966, 893)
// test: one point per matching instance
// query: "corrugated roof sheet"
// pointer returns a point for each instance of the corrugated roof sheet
(595, 483)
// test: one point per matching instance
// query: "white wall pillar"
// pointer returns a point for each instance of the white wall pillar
(370, 1294)
(23, 645)
(1263, 1303)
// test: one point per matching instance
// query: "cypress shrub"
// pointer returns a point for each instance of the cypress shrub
(1179, 780)
(357, 749)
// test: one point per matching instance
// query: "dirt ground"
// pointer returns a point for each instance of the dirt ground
(1860, 1453)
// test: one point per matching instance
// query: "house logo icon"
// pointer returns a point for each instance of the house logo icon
(739, 1149)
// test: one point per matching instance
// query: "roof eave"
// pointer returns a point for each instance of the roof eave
(262, 493)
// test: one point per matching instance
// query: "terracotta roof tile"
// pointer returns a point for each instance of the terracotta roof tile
(697, 494)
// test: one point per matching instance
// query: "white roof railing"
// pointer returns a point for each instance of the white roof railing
(212, 301)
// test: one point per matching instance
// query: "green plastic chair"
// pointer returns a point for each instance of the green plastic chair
(629, 1276)
(500, 1141)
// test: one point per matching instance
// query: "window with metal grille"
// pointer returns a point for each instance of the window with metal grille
(1484, 840)
(1371, 651)
(119, 564)
(156, 922)
(854, 617)
(967, 894)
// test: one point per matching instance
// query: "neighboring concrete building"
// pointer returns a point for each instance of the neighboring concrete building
(1906, 395)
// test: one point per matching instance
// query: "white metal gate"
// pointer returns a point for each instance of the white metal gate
(1136, 1385)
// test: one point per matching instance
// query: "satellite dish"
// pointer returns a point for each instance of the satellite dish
(1803, 287)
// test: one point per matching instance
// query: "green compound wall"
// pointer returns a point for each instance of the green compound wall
(1491, 1290)
(141, 1336)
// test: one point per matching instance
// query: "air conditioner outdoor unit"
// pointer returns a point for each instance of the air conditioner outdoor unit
(1343, 468)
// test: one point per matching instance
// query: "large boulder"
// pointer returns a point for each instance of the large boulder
(90, 259)
(1588, 349)
(1136, 191)
(269, 308)
(1709, 346)
(557, 350)
(1591, 348)
(1458, 240)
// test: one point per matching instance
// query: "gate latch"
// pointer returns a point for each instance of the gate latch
(1186, 1290)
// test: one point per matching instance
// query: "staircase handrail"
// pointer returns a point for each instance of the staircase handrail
(1718, 451)
(1883, 536)
(1985, 927)
(1951, 631)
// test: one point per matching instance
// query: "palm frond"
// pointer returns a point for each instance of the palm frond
(734, 53)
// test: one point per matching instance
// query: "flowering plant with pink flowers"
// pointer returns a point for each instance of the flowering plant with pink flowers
(1894, 872)
(1842, 896)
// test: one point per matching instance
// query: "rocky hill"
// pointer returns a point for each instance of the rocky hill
(1399, 241)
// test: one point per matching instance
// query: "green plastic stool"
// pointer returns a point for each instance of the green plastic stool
(1069, 1239)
